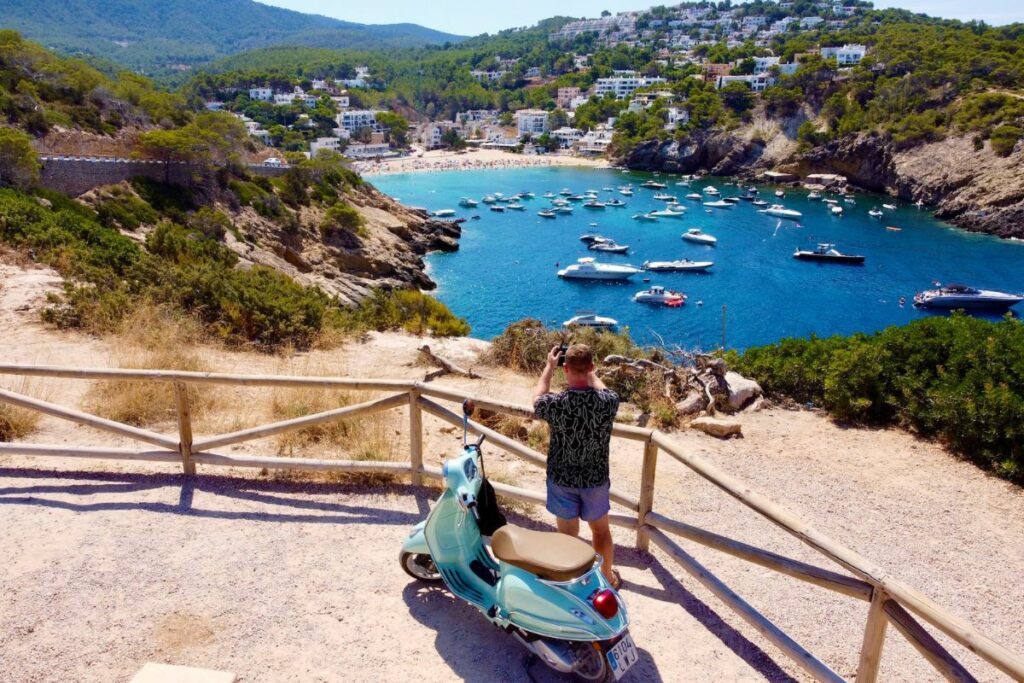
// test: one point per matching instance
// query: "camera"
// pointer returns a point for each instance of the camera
(561, 353)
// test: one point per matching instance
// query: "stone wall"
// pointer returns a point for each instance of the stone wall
(76, 176)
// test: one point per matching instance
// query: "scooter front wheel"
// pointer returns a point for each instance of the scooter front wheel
(419, 566)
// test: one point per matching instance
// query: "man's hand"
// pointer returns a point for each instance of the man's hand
(553, 356)
(544, 383)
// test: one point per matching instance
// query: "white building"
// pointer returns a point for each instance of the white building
(532, 122)
(354, 119)
(369, 150)
(340, 101)
(261, 94)
(488, 76)
(811, 22)
(676, 116)
(596, 141)
(624, 86)
(566, 136)
(757, 82)
(332, 144)
(477, 116)
(845, 55)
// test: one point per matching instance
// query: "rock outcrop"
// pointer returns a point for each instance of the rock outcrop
(719, 154)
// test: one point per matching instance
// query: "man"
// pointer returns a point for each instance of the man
(581, 420)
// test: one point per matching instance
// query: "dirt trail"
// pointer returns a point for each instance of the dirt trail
(112, 564)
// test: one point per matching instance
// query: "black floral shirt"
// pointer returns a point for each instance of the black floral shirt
(581, 429)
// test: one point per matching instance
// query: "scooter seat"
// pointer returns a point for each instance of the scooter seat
(549, 555)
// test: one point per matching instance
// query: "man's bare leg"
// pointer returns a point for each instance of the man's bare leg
(602, 538)
(569, 527)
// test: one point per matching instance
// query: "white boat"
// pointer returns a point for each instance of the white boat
(710, 189)
(659, 295)
(592, 237)
(583, 319)
(498, 208)
(617, 203)
(876, 213)
(837, 210)
(562, 209)
(827, 253)
(547, 213)
(526, 195)
(780, 193)
(831, 201)
(814, 195)
(626, 191)
(694, 196)
(662, 197)
(467, 202)
(444, 213)
(589, 269)
(576, 198)
(731, 200)
(779, 211)
(759, 202)
(609, 246)
(594, 204)
(565, 192)
(682, 265)
(849, 200)
(890, 207)
(962, 296)
(720, 204)
(667, 213)
(607, 189)
(695, 235)
(549, 195)
(559, 202)
(654, 185)
(646, 217)
(515, 207)
(490, 199)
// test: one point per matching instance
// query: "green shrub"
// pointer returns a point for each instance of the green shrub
(341, 216)
(406, 309)
(524, 345)
(1004, 139)
(960, 379)
(121, 209)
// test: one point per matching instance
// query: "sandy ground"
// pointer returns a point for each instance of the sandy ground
(472, 159)
(112, 564)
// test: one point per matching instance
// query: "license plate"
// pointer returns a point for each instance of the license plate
(622, 656)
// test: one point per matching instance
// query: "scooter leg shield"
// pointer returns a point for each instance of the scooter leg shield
(416, 543)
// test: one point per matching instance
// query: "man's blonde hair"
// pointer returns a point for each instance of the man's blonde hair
(579, 357)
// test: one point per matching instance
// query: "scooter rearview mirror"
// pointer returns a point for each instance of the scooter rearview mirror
(468, 407)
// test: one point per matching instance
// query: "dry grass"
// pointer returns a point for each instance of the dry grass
(153, 339)
(15, 422)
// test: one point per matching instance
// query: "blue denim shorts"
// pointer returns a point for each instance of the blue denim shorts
(589, 504)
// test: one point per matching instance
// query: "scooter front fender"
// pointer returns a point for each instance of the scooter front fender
(416, 543)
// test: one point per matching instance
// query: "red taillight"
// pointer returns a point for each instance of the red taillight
(606, 604)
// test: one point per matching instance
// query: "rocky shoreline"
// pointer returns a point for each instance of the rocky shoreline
(972, 188)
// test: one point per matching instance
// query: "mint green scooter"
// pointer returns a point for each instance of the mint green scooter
(544, 588)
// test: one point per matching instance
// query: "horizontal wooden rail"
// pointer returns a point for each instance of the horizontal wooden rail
(307, 464)
(847, 585)
(512, 445)
(104, 453)
(293, 424)
(761, 624)
(87, 420)
(956, 628)
(924, 643)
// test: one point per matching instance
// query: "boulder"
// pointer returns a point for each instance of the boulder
(712, 426)
(694, 402)
(742, 391)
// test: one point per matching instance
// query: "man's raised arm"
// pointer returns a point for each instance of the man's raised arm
(544, 383)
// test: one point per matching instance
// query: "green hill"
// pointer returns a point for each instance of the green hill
(155, 35)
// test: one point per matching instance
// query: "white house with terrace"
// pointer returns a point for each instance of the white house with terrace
(532, 122)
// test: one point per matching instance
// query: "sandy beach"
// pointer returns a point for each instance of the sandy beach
(471, 160)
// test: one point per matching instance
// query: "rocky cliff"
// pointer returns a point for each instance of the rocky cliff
(973, 188)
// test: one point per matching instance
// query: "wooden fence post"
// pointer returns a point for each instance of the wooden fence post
(874, 639)
(415, 437)
(650, 464)
(184, 428)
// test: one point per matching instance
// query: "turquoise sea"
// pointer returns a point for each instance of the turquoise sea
(756, 292)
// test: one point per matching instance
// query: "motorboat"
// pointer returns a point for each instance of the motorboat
(498, 208)
(682, 265)
(609, 246)
(586, 319)
(667, 213)
(813, 195)
(490, 199)
(748, 196)
(961, 296)
(654, 185)
(515, 207)
(659, 295)
(592, 237)
(626, 191)
(682, 183)
(594, 204)
(837, 210)
(576, 198)
(475, 217)
(711, 190)
(720, 204)
(549, 195)
(890, 207)
(617, 203)
(876, 213)
(732, 200)
(526, 195)
(565, 192)
(695, 235)
(467, 202)
(444, 213)
(759, 202)
(607, 189)
(779, 211)
(593, 192)
(694, 196)
(662, 197)
(559, 202)
(831, 202)
(645, 217)
(589, 269)
(562, 209)
(780, 193)
(827, 253)
(849, 200)
(547, 213)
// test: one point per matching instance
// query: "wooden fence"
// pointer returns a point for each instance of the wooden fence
(889, 601)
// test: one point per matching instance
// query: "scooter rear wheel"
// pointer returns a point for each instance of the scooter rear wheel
(419, 566)
(593, 667)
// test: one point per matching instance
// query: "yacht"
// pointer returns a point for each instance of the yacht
(609, 246)
(890, 207)
(592, 237)
(498, 208)
(662, 197)
(626, 191)
(467, 202)
(589, 269)
(814, 195)
(718, 205)
(444, 213)
(607, 189)
(667, 213)
(694, 196)
(526, 195)
(547, 213)
(849, 200)
(831, 202)
(515, 206)
(585, 319)
(779, 211)
(710, 189)
(594, 204)
(659, 295)
(566, 192)
(490, 199)
(682, 265)
(695, 235)
(837, 210)
(827, 253)
(646, 217)
(733, 200)
(876, 213)
(780, 194)
(549, 195)
(618, 203)
(576, 198)
(559, 202)
(759, 202)
(562, 209)
(654, 185)
(962, 296)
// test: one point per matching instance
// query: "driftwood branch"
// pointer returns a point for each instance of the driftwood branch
(445, 366)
